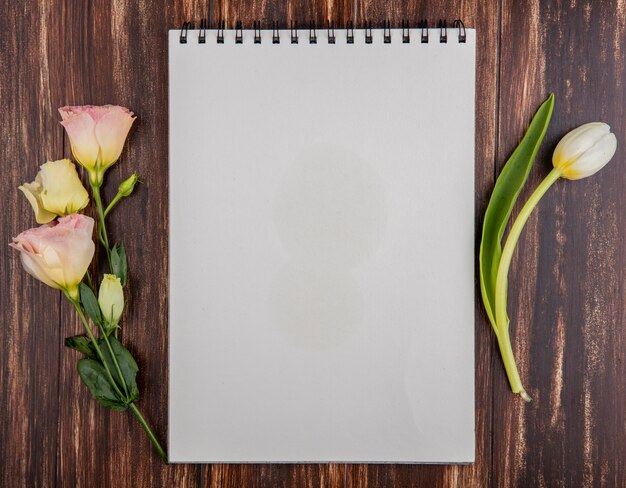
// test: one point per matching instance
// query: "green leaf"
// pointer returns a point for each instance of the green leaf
(90, 303)
(82, 344)
(127, 365)
(119, 262)
(95, 377)
(505, 193)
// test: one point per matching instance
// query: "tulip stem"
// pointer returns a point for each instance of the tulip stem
(502, 320)
(508, 359)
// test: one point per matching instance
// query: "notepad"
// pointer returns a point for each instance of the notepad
(321, 245)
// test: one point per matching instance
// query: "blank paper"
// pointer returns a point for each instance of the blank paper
(321, 249)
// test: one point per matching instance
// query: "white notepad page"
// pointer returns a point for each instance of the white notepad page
(321, 249)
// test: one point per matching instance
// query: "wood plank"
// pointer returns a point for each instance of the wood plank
(83, 424)
(116, 52)
(30, 334)
(567, 279)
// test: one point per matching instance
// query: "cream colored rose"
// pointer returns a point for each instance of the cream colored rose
(57, 190)
(97, 135)
(60, 253)
(111, 298)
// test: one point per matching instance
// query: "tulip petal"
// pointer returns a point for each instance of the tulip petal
(577, 141)
(593, 159)
(81, 131)
(111, 132)
(32, 192)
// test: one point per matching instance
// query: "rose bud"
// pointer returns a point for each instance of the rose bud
(128, 185)
(585, 150)
(111, 298)
(97, 135)
(57, 190)
(59, 253)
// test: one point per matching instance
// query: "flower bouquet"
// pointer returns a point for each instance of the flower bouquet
(59, 251)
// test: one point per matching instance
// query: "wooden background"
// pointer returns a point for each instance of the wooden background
(568, 281)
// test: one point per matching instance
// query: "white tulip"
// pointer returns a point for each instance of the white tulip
(585, 150)
(581, 153)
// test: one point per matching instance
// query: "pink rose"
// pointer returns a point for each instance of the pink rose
(58, 254)
(97, 135)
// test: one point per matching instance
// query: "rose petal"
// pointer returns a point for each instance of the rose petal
(81, 131)
(62, 191)
(32, 192)
(60, 254)
(111, 133)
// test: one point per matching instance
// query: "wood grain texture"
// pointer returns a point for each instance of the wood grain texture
(29, 335)
(568, 283)
(567, 311)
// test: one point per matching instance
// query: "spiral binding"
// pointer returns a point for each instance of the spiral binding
(406, 35)
(312, 33)
(458, 24)
(422, 27)
(238, 32)
(202, 33)
(257, 32)
(184, 31)
(275, 34)
(387, 32)
(443, 31)
(294, 32)
(368, 32)
(220, 32)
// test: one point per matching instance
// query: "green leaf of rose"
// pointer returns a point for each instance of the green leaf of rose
(119, 262)
(90, 304)
(127, 364)
(81, 343)
(95, 377)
